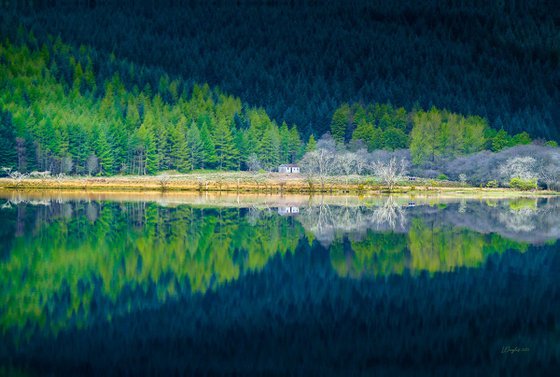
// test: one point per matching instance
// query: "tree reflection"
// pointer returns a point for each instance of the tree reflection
(69, 263)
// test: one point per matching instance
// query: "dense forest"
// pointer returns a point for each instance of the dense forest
(300, 60)
(74, 111)
(64, 113)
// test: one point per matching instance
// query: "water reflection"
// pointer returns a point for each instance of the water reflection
(70, 266)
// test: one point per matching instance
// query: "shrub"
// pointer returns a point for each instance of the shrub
(492, 184)
(442, 177)
(523, 184)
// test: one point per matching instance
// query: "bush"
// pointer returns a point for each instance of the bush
(442, 177)
(492, 184)
(432, 183)
(523, 184)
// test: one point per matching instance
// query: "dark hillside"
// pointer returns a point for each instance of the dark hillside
(302, 60)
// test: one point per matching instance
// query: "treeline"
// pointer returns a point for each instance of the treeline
(64, 113)
(301, 60)
(432, 136)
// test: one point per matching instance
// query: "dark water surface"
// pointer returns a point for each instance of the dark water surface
(275, 287)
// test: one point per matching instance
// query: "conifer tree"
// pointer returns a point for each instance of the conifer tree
(294, 146)
(179, 151)
(226, 152)
(284, 143)
(311, 144)
(339, 123)
(208, 149)
(105, 154)
(195, 147)
(7, 141)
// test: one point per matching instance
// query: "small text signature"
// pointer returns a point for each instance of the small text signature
(514, 349)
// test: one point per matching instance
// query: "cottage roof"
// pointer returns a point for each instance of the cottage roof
(289, 166)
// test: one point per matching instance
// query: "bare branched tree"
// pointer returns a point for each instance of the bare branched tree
(549, 171)
(390, 172)
(390, 214)
(253, 163)
(92, 164)
(164, 181)
(519, 167)
(321, 163)
(16, 176)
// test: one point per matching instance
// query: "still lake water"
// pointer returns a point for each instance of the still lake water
(188, 285)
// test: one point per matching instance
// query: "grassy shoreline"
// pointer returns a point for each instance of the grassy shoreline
(270, 183)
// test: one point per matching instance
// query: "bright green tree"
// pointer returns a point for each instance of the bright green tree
(7, 141)
(500, 141)
(311, 144)
(195, 147)
(339, 123)
(394, 138)
(226, 152)
(105, 153)
(208, 149)
(179, 151)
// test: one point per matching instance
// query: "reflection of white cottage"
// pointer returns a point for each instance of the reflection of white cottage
(287, 211)
(288, 168)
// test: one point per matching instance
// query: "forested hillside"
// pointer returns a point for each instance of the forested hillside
(67, 110)
(77, 111)
(302, 60)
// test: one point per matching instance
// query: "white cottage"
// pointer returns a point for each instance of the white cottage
(288, 169)
(287, 211)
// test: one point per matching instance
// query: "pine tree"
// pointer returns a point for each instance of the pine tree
(195, 147)
(7, 141)
(294, 147)
(394, 138)
(240, 141)
(179, 151)
(226, 153)
(152, 161)
(284, 143)
(119, 140)
(311, 144)
(105, 154)
(339, 123)
(270, 149)
(208, 149)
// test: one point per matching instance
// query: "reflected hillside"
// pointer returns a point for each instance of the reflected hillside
(392, 237)
(67, 259)
(67, 263)
(523, 220)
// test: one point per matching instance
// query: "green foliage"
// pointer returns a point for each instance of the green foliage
(492, 184)
(523, 184)
(225, 151)
(60, 111)
(340, 123)
(500, 141)
(311, 144)
(442, 177)
(441, 134)
(394, 138)
(7, 141)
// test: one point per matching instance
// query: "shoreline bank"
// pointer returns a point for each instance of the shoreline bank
(270, 184)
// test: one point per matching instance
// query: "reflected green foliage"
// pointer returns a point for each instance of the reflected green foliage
(70, 263)
(55, 272)
(378, 254)
(426, 248)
